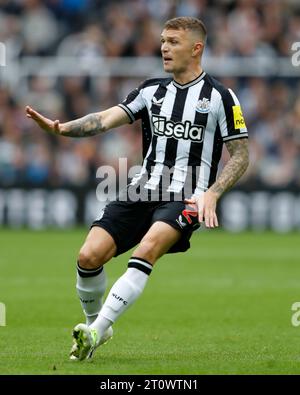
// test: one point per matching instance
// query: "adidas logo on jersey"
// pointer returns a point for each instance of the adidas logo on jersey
(177, 130)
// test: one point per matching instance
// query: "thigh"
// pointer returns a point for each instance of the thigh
(157, 241)
(181, 217)
(126, 222)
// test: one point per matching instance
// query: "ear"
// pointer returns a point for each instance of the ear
(198, 49)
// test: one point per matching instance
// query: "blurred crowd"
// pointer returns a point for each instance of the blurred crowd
(87, 29)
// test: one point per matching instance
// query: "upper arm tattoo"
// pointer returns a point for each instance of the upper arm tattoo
(90, 125)
(237, 146)
(235, 167)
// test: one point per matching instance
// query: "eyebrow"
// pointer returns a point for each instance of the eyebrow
(169, 37)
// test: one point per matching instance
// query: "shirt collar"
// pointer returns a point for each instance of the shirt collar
(191, 83)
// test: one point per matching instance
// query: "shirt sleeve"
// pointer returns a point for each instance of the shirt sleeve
(134, 104)
(230, 117)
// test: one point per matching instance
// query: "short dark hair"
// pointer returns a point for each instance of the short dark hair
(188, 23)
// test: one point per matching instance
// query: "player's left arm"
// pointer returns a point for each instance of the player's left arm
(231, 173)
(234, 168)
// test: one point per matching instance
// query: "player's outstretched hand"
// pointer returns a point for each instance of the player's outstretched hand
(47, 124)
(206, 205)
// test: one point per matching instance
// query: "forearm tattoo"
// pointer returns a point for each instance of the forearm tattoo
(90, 125)
(234, 168)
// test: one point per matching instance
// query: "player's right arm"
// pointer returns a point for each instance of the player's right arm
(89, 125)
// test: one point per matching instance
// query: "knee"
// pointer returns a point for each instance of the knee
(88, 259)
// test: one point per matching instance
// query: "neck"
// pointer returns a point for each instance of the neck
(187, 76)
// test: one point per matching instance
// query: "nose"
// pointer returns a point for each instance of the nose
(164, 48)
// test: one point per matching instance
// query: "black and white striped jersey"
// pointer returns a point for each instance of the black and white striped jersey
(184, 127)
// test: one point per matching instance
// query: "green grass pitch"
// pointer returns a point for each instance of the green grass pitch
(224, 307)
